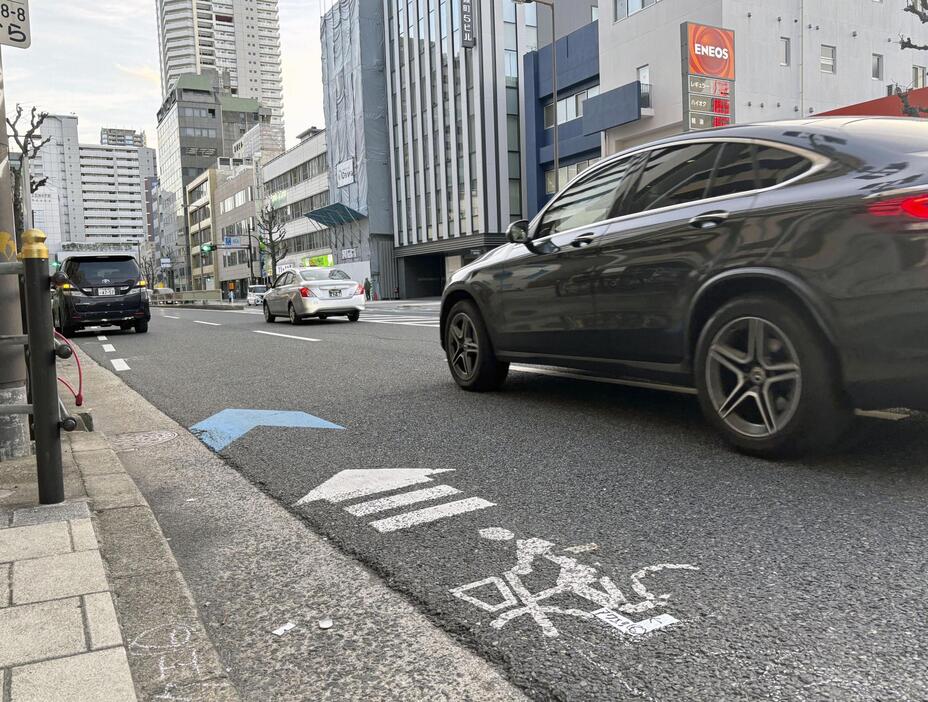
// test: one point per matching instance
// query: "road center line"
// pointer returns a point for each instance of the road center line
(284, 336)
(406, 498)
(119, 364)
(108, 348)
(209, 324)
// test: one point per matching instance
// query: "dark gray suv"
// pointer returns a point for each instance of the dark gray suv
(781, 269)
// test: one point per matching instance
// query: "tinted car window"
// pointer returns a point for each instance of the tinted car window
(587, 202)
(775, 166)
(91, 271)
(674, 176)
(324, 274)
(735, 172)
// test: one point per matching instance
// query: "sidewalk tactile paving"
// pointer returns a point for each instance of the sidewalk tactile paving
(58, 576)
(83, 535)
(34, 541)
(37, 631)
(102, 621)
(100, 676)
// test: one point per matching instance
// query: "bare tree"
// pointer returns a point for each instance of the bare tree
(29, 143)
(919, 8)
(149, 268)
(271, 233)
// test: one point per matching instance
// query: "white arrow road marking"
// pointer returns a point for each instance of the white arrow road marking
(430, 514)
(101, 338)
(352, 484)
(119, 364)
(284, 336)
(209, 324)
(402, 500)
(108, 348)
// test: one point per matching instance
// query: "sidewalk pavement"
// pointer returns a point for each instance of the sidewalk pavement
(92, 604)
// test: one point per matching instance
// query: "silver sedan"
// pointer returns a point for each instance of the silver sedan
(314, 292)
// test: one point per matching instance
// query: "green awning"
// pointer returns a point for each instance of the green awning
(334, 215)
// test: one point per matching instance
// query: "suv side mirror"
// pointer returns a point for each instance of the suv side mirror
(517, 232)
(58, 279)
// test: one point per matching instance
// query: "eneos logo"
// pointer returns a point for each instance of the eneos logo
(711, 51)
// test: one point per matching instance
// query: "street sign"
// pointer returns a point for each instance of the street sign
(349, 254)
(165, 263)
(232, 241)
(14, 23)
(469, 35)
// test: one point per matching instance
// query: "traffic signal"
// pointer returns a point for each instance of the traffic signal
(207, 248)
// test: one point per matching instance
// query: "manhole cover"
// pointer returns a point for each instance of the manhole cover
(139, 440)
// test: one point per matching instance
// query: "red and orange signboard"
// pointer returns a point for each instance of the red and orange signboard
(708, 76)
(711, 51)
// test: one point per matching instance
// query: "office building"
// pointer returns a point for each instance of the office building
(236, 209)
(790, 59)
(95, 194)
(239, 38)
(295, 184)
(198, 123)
(110, 136)
(456, 132)
(259, 144)
(360, 211)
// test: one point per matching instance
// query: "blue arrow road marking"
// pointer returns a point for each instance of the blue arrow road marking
(223, 428)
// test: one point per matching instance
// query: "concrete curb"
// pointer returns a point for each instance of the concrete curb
(170, 653)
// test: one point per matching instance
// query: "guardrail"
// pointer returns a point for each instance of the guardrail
(41, 356)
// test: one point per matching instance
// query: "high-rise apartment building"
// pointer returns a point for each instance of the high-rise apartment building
(238, 37)
(110, 136)
(95, 194)
(198, 123)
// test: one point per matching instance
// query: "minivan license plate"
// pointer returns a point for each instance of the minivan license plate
(335, 293)
(106, 291)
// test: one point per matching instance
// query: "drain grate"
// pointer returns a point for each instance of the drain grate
(139, 440)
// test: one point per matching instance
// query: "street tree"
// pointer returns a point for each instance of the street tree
(29, 143)
(149, 266)
(919, 8)
(271, 233)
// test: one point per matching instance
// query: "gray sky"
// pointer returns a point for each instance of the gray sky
(98, 59)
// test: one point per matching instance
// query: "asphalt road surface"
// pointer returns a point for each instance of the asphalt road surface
(595, 541)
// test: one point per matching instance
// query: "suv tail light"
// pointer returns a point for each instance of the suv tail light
(914, 206)
(306, 292)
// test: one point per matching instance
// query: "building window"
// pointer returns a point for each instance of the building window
(625, 8)
(784, 51)
(569, 108)
(918, 76)
(594, 13)
(549, 115)
(828, 62)
(644, 78)
(876, 67)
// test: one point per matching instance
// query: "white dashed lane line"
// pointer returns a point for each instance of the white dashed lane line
(284, 336)
(108, 348)
(170, 316)
(101, 338)
(209, 324)
(119, 364)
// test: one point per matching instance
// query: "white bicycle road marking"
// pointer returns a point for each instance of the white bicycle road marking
(119, 364)
(430, 514)
(402, 500)
(284, 336)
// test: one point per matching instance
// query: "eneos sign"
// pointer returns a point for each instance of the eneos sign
(711, 51)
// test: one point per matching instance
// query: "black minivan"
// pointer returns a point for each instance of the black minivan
(780, 269)
(101, 290)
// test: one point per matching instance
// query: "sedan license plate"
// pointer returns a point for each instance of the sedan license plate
(335, 293)
(106, 291)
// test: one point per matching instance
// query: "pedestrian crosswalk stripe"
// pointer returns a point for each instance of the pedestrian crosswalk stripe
(430, 514)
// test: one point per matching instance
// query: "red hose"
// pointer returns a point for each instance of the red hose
(79, 395)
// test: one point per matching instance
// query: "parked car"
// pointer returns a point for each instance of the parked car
(101, 290)
(781, 269)
(256, 295)
(314, 292)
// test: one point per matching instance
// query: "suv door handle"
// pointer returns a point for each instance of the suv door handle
(708, 220)
(583, 239)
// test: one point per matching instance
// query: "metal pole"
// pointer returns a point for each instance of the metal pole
(14, 430)
(46, 420)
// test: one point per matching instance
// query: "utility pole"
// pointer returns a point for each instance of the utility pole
(14, 429)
